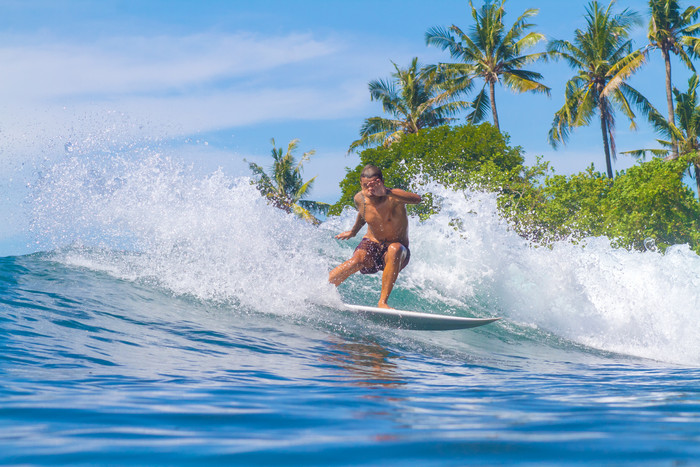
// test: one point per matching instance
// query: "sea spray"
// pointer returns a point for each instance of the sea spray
(637, 303)
(153, 220)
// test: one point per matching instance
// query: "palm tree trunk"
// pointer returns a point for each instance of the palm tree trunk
(669, 98)
(606, 144)
(492, 95)
(697, 177)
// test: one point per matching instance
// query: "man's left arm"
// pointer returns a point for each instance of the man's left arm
(403, 196)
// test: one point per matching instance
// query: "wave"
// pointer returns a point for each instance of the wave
(153, 221)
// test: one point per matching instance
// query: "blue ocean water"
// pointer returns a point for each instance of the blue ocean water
(173, 319)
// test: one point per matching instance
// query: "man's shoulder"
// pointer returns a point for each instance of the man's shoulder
(359, 199)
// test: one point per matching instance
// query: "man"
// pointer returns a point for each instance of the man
(385, 245)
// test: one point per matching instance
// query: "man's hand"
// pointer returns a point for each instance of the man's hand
(374, 187)
(345, 235)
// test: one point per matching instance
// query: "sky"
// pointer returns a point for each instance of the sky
(214, 81)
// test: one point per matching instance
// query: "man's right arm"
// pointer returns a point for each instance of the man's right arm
(359, 221)
(403, 196)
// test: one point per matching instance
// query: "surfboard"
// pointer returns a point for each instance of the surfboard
(418, 321)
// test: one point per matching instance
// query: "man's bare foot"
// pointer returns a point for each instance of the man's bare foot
(384, 305)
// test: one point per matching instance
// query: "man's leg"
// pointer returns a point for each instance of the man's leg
(338, 275)
(393, 263)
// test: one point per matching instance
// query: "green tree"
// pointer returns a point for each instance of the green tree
(644, 206)
(492, 53)
(563, 207)
(650, 201)
(417, 97)
(647, 202)
(603, 58)
(683, 137)
(285, 187)
(673, 31)
(455, 156)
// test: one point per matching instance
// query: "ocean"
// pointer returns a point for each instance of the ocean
(174, 318)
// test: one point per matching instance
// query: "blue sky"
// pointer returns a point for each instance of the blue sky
(218, 79)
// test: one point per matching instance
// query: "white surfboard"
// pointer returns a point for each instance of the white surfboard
(418, 321)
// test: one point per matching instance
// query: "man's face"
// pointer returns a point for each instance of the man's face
(371, 184)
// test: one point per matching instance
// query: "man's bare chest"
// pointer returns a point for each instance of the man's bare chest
(383, 213)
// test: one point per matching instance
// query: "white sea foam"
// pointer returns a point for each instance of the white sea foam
(638, 303)
(215, 238)
(209, 237)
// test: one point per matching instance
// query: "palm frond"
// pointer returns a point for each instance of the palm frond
(692, 44)
(641, 153)
(303, 190)
(621, 70)
(304, 214)
(624, 105)
(565, 118)
(639, 101)
(569, 52)
(529, 40)
(379, 124)
(376, 131)
(586, 106)
(518, 28)
(442, 38)
(523, 81)
(481, 106)
(315, 206)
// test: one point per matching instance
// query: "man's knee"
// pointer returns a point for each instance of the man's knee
(360, 257)
(396, 251)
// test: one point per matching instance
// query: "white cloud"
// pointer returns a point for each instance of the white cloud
(161, 64)
(173, 86)
(39, 131)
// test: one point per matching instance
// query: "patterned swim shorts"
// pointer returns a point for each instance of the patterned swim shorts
(376, 252)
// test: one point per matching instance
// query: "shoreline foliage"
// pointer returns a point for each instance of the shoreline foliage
(455, 156)
(646, 207)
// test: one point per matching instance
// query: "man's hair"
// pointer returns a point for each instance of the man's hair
(372, 171)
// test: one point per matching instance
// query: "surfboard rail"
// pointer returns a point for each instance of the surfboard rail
(416, 320)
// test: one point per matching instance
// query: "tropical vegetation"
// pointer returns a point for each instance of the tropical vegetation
(646, 206)
(452, 155)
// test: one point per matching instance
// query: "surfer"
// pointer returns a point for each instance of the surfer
(385, 245)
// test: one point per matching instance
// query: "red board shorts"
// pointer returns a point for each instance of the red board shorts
(376, 251)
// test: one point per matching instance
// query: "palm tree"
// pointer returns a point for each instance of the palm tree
(686, 136)
(285, 187)
(492, 53)
(673, 31)
(417, 97)
(603, 59)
